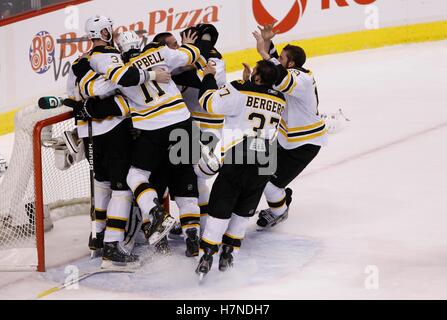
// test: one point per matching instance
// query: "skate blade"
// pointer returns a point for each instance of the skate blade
(201, 277)
(112, 265)
(157, 236)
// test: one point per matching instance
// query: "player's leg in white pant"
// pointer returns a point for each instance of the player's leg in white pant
(276, 199)
(151, 209)
(118, 212)
(102, 198)
(209, 243)
(204, 197)
(138, 182)
(103, 193)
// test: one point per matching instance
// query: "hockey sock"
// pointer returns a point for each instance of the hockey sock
(189, 213)
(138, 181)
(276, 199)
(204, 196)
(212, 235)
(102, 198)
(235, 232)
(117, 215)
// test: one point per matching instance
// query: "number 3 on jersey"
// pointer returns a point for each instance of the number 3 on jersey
(262, 120)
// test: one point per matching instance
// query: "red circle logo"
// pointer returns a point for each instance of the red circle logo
(42, 52)
(263, 17)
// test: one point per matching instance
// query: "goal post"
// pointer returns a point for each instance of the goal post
(35, 184)
(38, 185)
(38, 189)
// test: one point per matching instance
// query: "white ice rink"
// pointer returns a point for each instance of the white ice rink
(372, 200)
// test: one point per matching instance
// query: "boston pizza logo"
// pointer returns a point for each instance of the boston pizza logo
(263, 17)
(42, 52)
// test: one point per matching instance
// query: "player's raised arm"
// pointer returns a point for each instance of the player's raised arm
(222, 101)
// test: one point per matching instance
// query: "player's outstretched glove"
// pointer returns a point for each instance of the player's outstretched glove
(80, 108)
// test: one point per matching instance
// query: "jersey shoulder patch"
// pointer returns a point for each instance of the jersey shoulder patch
(104, 49)
(241, 85)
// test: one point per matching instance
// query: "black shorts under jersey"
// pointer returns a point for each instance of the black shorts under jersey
(152, 153)
(292, 162)
(111, 155)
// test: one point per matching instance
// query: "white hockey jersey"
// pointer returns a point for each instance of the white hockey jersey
(301, 123)
(212, 123)
(152, 105)
(101, 59)
(157, 105)
(249, 110)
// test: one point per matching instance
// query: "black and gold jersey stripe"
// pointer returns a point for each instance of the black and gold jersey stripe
(308, 132)
(158, 110)
(205, 100)
(287, 84)
(208, 121)
(192, 52)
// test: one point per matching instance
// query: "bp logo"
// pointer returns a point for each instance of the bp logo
(42, 52)
(263, 17)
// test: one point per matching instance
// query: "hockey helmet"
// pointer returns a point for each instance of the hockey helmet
(208, 32)
(96, 24)
(128, 40)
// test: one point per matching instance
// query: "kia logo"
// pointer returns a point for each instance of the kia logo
(263, 17)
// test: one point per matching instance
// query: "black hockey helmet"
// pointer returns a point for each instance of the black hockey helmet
(205, 32)
(205, 29)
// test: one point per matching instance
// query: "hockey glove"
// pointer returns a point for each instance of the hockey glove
(80, 108)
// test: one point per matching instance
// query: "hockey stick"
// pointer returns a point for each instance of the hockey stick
(92, 179)
(79, 279)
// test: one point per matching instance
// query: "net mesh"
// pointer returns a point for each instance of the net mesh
(17, 194)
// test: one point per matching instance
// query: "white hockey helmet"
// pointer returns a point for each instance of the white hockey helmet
(128, 40)
(96, 24)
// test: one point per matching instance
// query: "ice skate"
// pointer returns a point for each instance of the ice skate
(226, 258)
(163, 248)
(96, 245)
(115, 256)
(176, 232)
(162, 223)
(192, 243)
(267, 219)
(206, 261)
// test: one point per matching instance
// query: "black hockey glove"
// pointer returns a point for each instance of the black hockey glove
(80, 108)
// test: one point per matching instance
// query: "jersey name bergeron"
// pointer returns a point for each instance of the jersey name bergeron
(264, 104)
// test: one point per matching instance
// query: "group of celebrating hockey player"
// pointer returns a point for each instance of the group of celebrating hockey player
(163, 121)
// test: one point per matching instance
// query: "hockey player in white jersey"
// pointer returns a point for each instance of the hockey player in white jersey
(158, 111)
(111, 140)
(210, 124)
(302, 131)
(252, 111)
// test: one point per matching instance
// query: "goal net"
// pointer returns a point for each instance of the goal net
(35, 184)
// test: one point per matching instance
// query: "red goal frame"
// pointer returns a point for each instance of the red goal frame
(38, 185)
